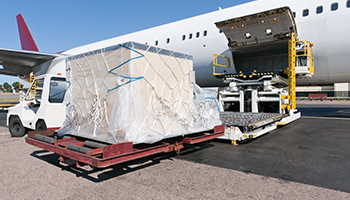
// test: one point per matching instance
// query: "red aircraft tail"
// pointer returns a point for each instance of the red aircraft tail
(27, 41)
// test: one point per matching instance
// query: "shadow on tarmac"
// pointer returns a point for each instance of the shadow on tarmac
(100, 175)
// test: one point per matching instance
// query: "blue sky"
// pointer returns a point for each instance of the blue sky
(61, 25)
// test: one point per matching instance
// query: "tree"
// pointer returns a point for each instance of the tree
(7, 87)
(17, 85)
(2, 88)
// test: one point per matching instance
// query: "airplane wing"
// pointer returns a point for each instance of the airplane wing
(21, 62)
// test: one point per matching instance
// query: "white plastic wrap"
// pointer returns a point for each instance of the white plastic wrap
(135, 93)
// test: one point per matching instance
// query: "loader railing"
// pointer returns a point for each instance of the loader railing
(216, 64)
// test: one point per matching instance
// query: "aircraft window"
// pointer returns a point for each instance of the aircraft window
(197, 35)
(190, 36)
(183, 37)
(305, 12)
(348, 4)
(294, 14)
(319, 9)
(334, 6)
(156, 43)
(167, 40)
(205, 33)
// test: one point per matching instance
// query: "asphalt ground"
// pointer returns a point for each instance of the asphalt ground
(333, 109)
(308, 159)
(9, 96)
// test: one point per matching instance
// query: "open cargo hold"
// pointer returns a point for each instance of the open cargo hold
(135, 93)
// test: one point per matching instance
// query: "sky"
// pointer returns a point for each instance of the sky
(62, 25)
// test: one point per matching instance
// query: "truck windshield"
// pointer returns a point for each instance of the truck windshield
(57, 90)
(36, 90)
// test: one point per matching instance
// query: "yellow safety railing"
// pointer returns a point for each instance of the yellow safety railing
(309, 54)
(216, 64)
(291, 75)
(33, 88)
(292, 55)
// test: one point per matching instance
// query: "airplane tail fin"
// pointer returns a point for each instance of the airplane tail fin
(27, 41)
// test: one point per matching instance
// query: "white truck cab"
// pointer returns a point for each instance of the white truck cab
(42, 107)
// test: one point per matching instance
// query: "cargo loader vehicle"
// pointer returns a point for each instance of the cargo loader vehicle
(268, 59)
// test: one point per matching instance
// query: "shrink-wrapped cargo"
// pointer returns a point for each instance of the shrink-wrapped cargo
(135, 93)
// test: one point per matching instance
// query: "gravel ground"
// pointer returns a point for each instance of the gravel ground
(30, 173)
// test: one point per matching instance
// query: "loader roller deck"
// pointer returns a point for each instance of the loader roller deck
(249, 121)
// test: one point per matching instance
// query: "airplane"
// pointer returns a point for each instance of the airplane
(317, 20)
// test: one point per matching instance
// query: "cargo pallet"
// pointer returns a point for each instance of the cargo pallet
(97, 154)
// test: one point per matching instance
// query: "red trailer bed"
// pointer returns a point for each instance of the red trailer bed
(87, 152)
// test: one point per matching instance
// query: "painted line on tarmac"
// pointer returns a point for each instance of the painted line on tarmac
(337, 118)
(4, 133)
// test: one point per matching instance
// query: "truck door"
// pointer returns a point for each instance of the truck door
(33, 101)
(52, 111)
(46, 109)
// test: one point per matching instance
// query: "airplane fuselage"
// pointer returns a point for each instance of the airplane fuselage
(200, 37)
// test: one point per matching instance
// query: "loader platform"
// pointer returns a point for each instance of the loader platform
(247, 122)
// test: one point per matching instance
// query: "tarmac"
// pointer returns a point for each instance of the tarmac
(9, 96)
(307, 159)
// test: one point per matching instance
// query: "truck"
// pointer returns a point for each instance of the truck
(42, 107)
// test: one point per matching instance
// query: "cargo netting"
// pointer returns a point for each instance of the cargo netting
(136, 93)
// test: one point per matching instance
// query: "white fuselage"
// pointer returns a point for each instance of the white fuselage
(327, 30)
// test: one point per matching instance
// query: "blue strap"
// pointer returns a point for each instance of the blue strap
(216, 102)
(131, 79)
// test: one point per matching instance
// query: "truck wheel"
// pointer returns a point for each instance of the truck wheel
(40, 126)
(16, 128)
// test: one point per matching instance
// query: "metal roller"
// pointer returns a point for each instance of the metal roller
(43, 138)
(94, 145)
(78, 148)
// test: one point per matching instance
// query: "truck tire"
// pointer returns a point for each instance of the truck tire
(16, 128)
(40, 126)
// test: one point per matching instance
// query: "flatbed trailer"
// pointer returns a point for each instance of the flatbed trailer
(101, 155)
